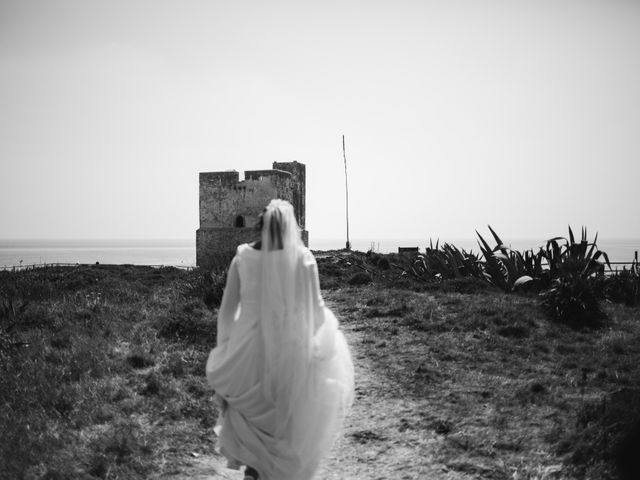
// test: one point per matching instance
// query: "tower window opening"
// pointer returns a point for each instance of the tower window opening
(239, 223)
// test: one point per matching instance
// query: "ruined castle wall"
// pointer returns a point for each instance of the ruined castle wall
(223, 197)
(229, 208)
(280, 181)
(215, 247)
(298, 194)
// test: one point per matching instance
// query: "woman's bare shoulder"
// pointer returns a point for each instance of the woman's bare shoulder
(244, 252)
(307, 257)
(246, 248)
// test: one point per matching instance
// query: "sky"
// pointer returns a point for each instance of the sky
(522, 115)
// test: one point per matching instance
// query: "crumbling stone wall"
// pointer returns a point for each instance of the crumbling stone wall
(229, 208)
(298, 176)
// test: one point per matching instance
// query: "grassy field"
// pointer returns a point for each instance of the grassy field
(102, 372)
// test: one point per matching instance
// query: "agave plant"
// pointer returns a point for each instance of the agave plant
(446, 262)
(466, 263)
(574, 258)
(575, 269)
(508, 269)
(573, 301)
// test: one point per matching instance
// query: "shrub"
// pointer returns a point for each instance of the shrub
(574, 258)
(445, 262)
(208, 286)
(360, 278)
(623, 287)
(329, 268)
(506, 268)
(607, 431)
(577, 275)
(573, 301)
(379, 261)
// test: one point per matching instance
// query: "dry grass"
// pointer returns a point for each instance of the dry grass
(102, 376)
(103, 372)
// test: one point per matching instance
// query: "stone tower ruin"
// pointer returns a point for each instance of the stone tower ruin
(229, 208)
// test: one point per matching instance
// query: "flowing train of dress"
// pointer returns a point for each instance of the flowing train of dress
(282, 433)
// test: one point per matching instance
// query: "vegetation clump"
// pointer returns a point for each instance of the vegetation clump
(624, 286)
(607, 431)
(573, 301)
(360, 278)
(208, 285)
(88, 355)
(378, 260)
(569, 274)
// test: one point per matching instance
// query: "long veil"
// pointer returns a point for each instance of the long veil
(305, 369)
(286, 325)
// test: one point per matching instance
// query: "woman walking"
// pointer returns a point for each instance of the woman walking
(281, 368)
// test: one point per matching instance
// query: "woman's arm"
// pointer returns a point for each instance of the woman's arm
(313, 281)
(230, 302)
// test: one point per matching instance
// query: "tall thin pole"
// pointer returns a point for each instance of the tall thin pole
(346, 189)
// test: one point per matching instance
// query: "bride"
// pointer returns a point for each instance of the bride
(281, 369)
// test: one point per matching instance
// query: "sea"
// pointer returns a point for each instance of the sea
(182, 252)
(157, 252)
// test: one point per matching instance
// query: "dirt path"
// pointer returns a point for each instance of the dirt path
(380, 441)
(384, 436)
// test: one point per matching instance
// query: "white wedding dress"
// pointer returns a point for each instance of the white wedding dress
(281, 365)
